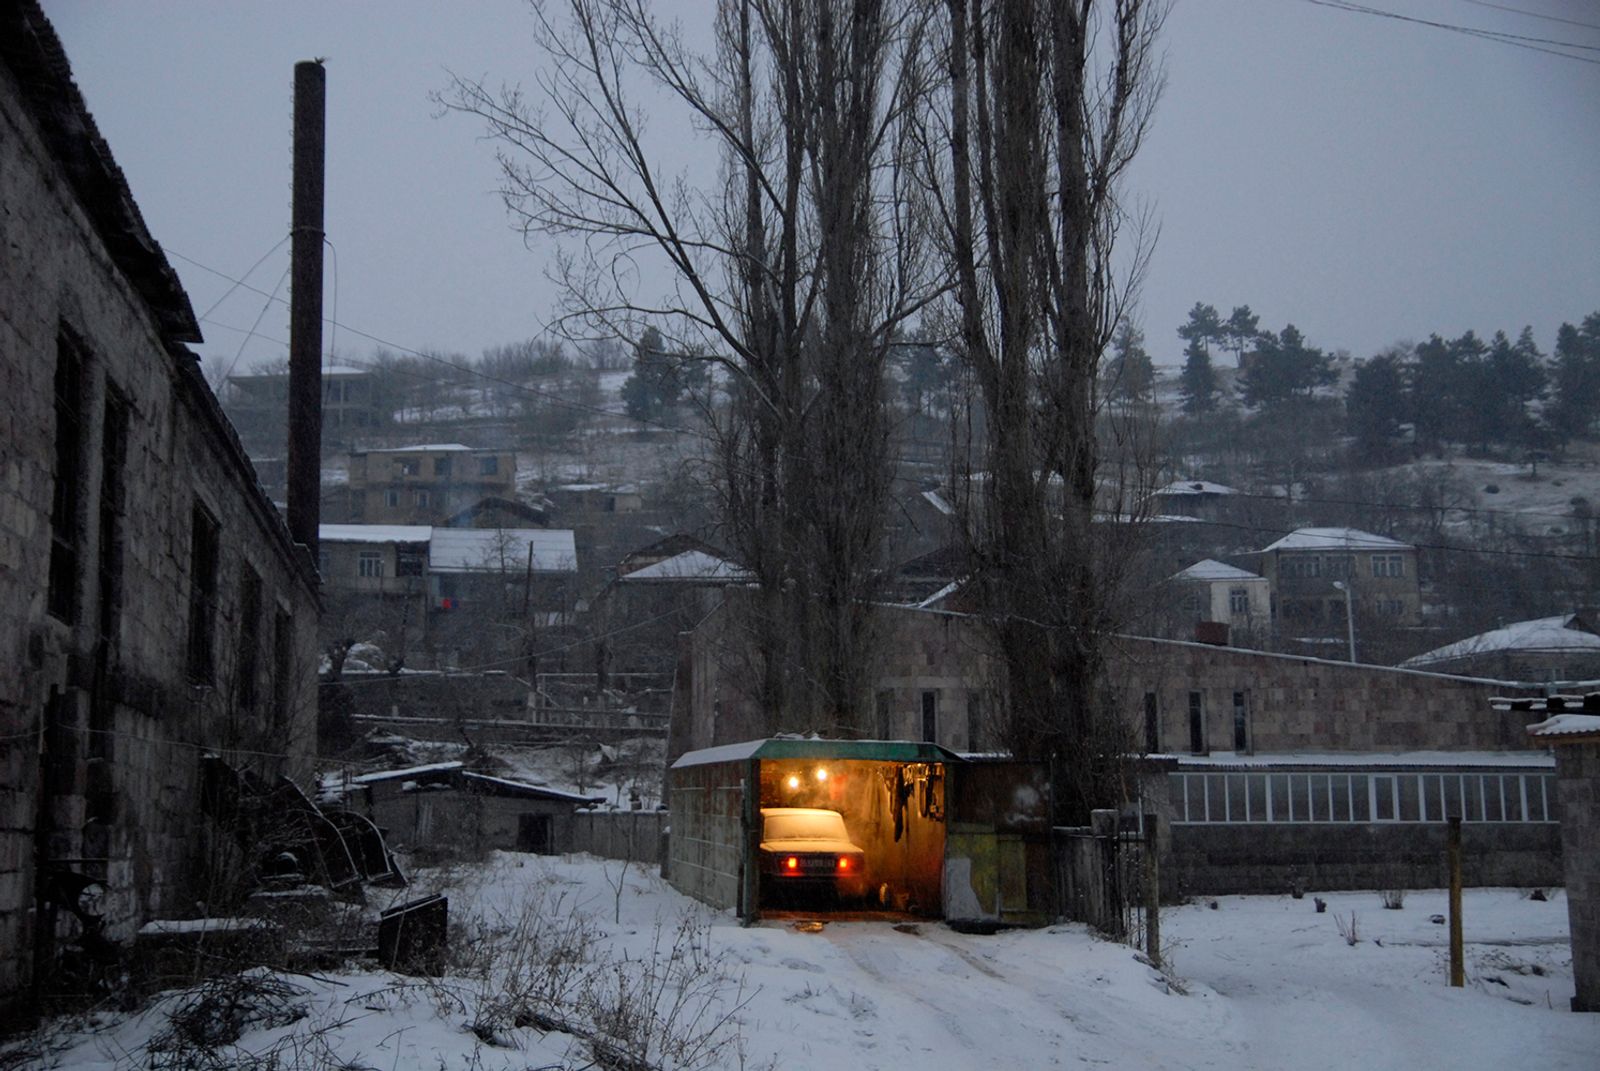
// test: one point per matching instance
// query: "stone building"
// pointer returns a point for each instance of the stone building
(1572, 731)
(1313, 571)
(428, 483)
(1565, 647)
(1216, 592)
(153, 609)
(1273, 768)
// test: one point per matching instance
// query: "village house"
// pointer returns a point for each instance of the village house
(1213, 592)
(1200, 499)
(1313, 571)
(153, 609)
(426, 484)
(1565, 647)
(257, 403)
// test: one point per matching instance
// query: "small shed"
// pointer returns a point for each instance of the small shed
(445, 805)
(1573, 731)
(943, 835)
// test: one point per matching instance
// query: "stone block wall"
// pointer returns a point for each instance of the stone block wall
(1578, 785)
(1212, 860)
(102, 725)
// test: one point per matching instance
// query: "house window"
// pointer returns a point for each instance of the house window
(441, 466)
(203, 554)
(282, 664)
(1197, 723)
(488, 466)
(930, 716)
(408, 565)
(113, 466)
(1241, 723)
(249, 635)
(422, 498)
(1391, 565)
(66, 521)
(410, 467)
(1239, 600)
(1301, 567)
(1152, 724)
(1336, 566)
(1391, 608)
(391, 499)
(371, 563)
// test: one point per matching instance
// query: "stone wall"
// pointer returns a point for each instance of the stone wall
(1210, 860)
(1289, 703)
(1308, 704)
(102, 719)
(1578, 784)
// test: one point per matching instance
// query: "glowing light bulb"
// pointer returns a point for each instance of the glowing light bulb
(822, 774)
(794, 782)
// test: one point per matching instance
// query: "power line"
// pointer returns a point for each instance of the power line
(1533, 14)
(1549, 46)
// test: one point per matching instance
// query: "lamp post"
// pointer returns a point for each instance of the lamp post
(1349, 615)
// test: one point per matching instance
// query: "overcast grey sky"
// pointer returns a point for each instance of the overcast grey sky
(1367, 179)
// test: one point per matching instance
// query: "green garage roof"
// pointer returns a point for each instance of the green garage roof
(797, 747)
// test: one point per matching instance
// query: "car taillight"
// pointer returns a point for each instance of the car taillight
(791, 863)
(844, 862)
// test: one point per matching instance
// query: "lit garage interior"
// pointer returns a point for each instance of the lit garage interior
(753, 828)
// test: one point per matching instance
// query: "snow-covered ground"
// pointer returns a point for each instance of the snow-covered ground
(1257, 982)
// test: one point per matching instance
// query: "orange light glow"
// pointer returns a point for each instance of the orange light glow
(844, 862)
(792, 863)
(822, 774)
(794, 782)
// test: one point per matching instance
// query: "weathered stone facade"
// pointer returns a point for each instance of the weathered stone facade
(1578, 778)
(936, 673)
(152, 607)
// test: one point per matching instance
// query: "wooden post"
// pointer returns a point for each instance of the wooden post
(1458, 973)
(1152, 890)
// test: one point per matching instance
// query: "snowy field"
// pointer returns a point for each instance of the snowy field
(556, 956)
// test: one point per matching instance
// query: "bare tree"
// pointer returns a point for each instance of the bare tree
(792, 277)
(1048, 104)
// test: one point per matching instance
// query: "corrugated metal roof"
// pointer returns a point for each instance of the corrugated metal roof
(797, 747)
(1570, 726)
(480, 550)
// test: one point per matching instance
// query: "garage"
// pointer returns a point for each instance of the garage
(832, 827)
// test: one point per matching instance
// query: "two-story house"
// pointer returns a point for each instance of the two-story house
(1213, 591)
(1313, 571)
(428, 483)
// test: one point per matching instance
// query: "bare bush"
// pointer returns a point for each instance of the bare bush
(1350, 931)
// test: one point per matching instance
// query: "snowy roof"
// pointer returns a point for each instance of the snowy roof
(1568, 725)
(345, 370)
(1335, 539)
(480, 550)
(689, 566)
(1453, 759)
(407, 773)
(795, 747)
(526, 789)
(374, 533)
(1194, 487)
(1211, 569)
(1560, 633)
(432, 448)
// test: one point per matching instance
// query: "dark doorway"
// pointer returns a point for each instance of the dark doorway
(533, 833)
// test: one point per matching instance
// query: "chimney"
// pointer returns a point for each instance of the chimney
(305, 306)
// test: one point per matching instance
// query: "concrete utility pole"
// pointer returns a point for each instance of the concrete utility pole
(305, 305)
